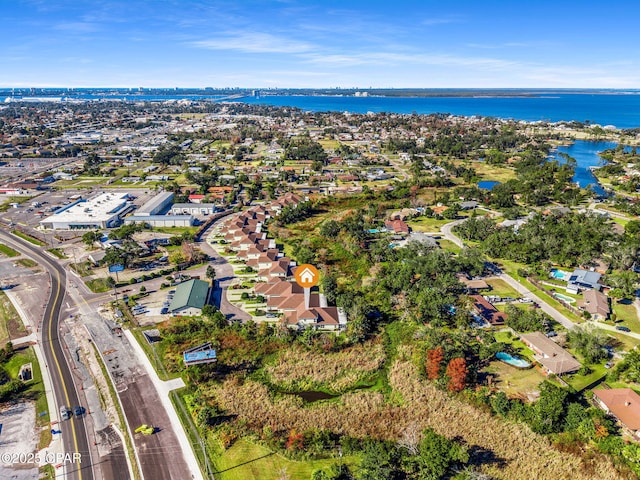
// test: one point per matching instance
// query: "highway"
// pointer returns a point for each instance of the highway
(74, 431)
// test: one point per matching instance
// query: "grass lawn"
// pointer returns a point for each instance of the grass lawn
(247, 461)
(501, 288)
(8, 251)
(449, 246)
(13, 199)
(580, 382)
(175, 230)
(514, 381)
(627, 343)
(493, 172)
(57, 253)
(98, 285)
(27, 262)
(427, 224)
(10, 322)
(29, 238)
(627, 314)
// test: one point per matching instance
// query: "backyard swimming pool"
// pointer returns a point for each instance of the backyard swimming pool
(564, 298)
(511, 360)
(559, 274)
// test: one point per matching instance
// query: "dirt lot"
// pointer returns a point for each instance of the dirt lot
(19, 436)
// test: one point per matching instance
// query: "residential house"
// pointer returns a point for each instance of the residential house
(596, 303)
(552, 357)
(583, 279)
(487, 311)
(396, 226)
(623, 404)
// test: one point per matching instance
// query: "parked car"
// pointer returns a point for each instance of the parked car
(78, 411)
(164, 311)
(622, 328)
(608, 365)
(552, 334)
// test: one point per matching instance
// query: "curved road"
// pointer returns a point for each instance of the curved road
(74, 431)
(224, 277)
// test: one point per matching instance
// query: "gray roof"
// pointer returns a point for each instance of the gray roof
(155, 202)
(585, 278)
(193, 293)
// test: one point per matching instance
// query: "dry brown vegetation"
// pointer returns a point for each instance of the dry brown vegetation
(299, 369)
(511, 450)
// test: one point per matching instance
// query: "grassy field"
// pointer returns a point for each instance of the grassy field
(493, 172)
(14, 199)
(427, 224)
(501, 288)
(580, 382)
(35, 391)
(29, 238)
(27, 262)
(98, 285)
(10, 323)
(627, 314)
(247, 461)
(513, 381)
(8, 251)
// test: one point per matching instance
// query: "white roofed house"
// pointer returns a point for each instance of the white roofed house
(583, 280)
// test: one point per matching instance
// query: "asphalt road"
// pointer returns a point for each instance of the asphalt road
(74, 431)
(224, 278)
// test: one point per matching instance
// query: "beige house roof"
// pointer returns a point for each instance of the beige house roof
(596, 303)
(551, 355)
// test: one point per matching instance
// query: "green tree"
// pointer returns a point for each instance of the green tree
(211, 273)
(437, 455)
(89, 238)
(549, 411)
(330, 228)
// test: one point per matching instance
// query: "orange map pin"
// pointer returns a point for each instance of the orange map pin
(307, 276)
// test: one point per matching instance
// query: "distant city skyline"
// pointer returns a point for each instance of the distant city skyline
(322, 44)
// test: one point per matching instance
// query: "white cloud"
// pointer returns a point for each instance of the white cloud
(254, 43)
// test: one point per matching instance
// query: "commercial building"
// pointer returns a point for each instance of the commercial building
(104, 211)
(190, 298)
(158, 204)
(193, 209)
(161, 220)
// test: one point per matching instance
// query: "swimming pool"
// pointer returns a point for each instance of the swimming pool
(511, 360)
(564, 298)
(559, 274)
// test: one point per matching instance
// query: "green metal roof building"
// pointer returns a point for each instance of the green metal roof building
(189, 298)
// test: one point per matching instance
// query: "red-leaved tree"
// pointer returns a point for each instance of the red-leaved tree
(457, 373)
(295, 441)
(434, 362)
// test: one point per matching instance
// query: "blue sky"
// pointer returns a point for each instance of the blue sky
(289, 43)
